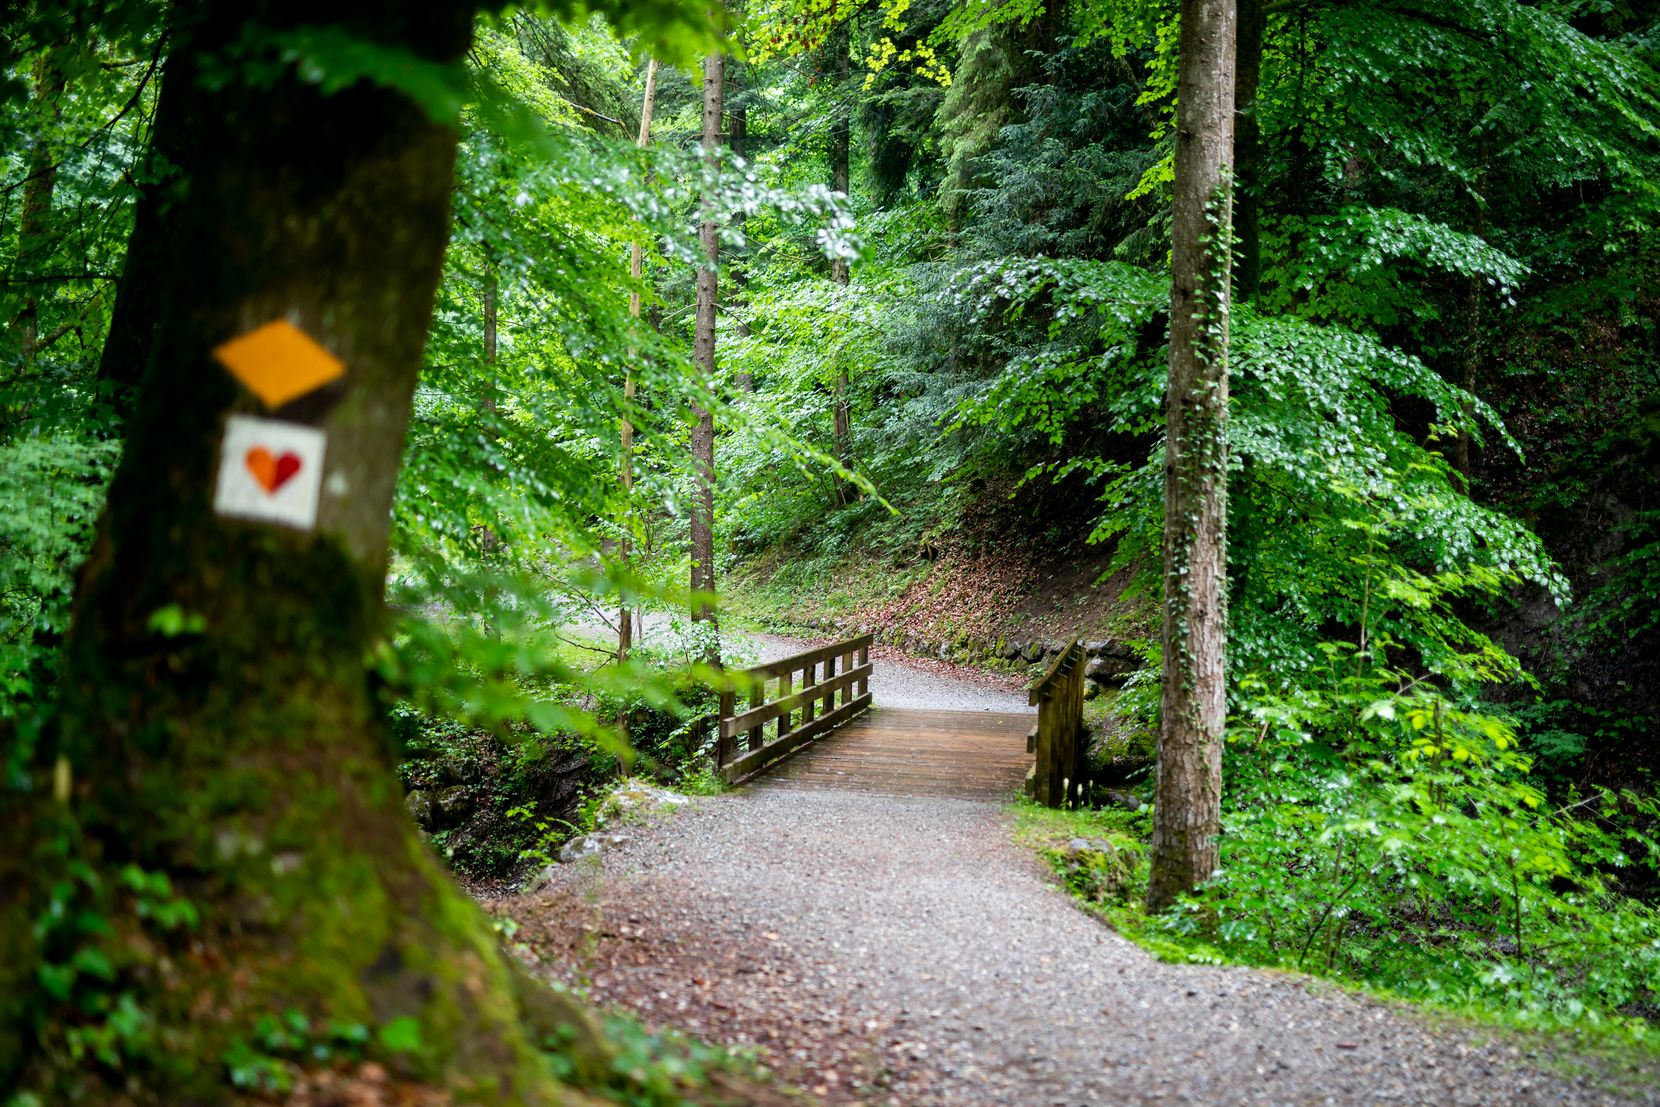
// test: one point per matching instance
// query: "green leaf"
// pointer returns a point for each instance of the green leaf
(401, 1035)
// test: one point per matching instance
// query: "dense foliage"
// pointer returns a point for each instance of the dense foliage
(1443, 533)
(1439, 728)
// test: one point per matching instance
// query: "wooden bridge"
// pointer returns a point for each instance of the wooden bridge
(825, 732)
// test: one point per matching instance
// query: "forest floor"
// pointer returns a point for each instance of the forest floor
(887, 950)
(983, 584)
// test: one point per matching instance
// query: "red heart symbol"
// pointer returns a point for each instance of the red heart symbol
(271, 471)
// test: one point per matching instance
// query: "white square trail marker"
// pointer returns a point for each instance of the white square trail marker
(271, 471)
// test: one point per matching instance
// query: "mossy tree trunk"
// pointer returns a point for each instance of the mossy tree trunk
(239, 748)
(1187, 810)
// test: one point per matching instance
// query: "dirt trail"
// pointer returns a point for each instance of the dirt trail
(891, 950)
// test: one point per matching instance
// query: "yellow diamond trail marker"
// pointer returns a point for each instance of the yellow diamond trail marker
(279, 362)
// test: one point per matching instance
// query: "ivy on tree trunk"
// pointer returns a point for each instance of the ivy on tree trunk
(1187, 809)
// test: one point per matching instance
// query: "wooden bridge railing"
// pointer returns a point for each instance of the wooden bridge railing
(1059, 774)
(801, 708)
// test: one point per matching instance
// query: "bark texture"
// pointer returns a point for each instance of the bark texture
(703, 350)
(1187, 812)
(242, 751)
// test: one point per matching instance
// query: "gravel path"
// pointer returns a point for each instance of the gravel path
(903, 951)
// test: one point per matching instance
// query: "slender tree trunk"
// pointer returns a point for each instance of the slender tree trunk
(703, 433)
(1187, 811)
(1247, 148)
(636, 270)
(492, 293)
(842, 429)
(236, 743)
(34, 232)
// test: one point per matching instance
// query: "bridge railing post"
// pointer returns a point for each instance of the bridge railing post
(723, 741)
(757, 698)
(1058, 768)
(835, 686)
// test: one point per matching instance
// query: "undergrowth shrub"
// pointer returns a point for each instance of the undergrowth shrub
(1389, 833)
(1385, 832)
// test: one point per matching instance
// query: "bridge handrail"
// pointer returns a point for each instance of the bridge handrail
(802, 712)
(1059, 770)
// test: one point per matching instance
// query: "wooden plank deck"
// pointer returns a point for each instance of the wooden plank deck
(978, 755)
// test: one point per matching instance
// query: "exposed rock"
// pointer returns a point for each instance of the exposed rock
(1105, 647)
(461, 770)
(591, 845)
(1096, 868)
(1009, 650)
(1126, 800)
(1033, 652)
(633, 799)
(1108, 670)
(1119, 769)
(543, 878)
(421, 809)
(454, 804)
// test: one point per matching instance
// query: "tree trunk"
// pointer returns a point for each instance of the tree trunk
(1187, 811)
(703, 349)
(1247, 149)
(34, 232)
(492, 293)
(842, 430)
(235, 742)
(636, 270)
